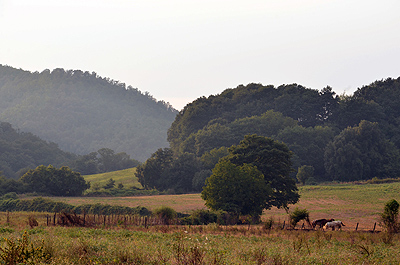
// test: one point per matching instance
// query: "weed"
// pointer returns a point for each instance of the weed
(362, 249)
(260, 256)
(268, 224)
(22, 251)
(387, 238)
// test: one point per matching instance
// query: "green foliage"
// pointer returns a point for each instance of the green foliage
(110, 184)
(236, 189)
(167, 214)
(210, 159)
(126, 177)
(203, 217)
(104, 160)
(273, 160)
(360, 153)
(40, 204)
(10, 186)
(389, 217)
(297, 215)
(164, 172)
(94, 111)
(307, 106)
(53, 181)
(199, 179)
(22, 251)
(304, 173)
(308, 145)
(20, 151)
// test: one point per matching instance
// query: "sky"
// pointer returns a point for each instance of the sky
(180, 50)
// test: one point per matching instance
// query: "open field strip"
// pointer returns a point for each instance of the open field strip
(347, 202)
(213, 244)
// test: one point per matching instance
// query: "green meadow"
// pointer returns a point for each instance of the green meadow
(125, 177)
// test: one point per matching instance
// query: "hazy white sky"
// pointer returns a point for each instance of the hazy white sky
(179, 50)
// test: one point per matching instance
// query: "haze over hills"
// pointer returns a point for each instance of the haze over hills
(83, 112)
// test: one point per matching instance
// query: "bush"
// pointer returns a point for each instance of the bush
(166, 214)
(297, 215)
(203, 217)
(389, 217)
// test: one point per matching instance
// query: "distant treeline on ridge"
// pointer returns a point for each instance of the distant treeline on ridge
(83, 112)
(341, 137)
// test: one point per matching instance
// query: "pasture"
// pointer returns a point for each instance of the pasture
(125, 177)
(214, 244)
(351, 203)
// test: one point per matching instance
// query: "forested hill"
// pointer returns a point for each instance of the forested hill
(342, 137)
(83, 112)
(20, 151)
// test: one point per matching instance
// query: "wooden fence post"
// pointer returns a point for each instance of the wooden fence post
(373, 230)
(356, 226)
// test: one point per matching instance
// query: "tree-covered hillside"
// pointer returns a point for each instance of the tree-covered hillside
(20, 151)
(342, 138)
(83, 112)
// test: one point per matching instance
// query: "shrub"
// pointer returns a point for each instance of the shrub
(203, 217)
(389, 217)
(297, 215)
(22, 251)
(166, 214)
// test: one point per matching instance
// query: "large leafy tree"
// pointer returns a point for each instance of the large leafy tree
(273, 160)
(361, 152)
(53, 181)
(236, 189)
(150, 174)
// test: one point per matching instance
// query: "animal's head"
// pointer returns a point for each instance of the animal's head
(331, 220)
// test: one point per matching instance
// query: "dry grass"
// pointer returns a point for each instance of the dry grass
(349, 203)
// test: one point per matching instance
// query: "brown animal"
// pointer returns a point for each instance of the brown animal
(321, 222)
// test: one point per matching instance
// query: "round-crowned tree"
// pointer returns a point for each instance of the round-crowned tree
(236, 189)
(273, 160)
(254, 176)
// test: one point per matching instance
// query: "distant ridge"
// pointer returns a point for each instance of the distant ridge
(83, 112)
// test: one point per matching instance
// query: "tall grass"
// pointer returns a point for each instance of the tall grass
(210, 245)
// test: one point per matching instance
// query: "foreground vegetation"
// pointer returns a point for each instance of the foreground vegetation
(209, 244)
(265, 243)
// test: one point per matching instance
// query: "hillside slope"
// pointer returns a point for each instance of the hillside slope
(20, 151)
(83, 112)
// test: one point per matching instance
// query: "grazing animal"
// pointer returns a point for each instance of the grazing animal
(333, 225)
(321, 222)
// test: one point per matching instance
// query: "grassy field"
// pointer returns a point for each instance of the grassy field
(125, 177)
(213, 244)
(179, 245)
(349, 203)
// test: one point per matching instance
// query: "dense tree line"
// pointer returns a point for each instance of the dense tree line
(83, 112)
(104, 160)
(46, 180)
(341, 138)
